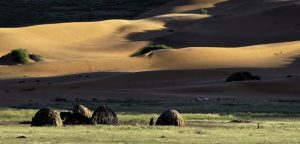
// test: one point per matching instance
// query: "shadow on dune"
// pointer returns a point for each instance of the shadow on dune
(7, 60)
(17, 13)
(232, 23)
(156, 91)
(151, 87)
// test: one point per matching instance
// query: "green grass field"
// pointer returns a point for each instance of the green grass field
(201, 128)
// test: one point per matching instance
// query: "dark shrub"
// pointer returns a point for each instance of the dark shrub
(153, 48)
(20, 56)
(170, 117)
(242, 76)
(104, 115)
(46, 117)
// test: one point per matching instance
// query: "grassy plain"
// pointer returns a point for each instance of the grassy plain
(202, 127)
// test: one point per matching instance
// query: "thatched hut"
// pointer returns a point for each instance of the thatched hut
(46, 117)
(170, 117)
(81, 115)
(66, 117)
(104, 115)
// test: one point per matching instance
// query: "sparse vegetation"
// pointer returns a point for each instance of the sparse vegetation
(153, 48)
(203, 11)
(20, 56)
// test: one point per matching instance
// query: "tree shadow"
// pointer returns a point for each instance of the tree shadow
(231, 24)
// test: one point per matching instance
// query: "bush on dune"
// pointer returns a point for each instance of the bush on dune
(20, 56)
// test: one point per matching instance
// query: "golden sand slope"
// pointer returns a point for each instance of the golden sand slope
(76, 40)
(109, 45)
(93, 57)
(259, 56)
(235, 34)
(227, 38)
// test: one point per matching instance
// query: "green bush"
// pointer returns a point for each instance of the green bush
(20, 55)
(153, 48)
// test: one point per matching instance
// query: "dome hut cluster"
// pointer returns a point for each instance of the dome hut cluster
(81, 115)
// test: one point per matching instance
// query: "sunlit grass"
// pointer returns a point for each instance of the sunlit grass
(272, 132)
(201, 128)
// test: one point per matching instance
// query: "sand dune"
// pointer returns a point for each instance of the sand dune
(75, 40)
(235, 35)
(260, 56)
(235, 24)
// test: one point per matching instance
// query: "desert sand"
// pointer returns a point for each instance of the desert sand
(97, 59)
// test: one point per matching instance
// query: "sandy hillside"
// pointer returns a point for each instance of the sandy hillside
(261, 36)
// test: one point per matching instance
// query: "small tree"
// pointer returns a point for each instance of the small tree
(20, 56)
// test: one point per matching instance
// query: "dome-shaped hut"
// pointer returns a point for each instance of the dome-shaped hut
(81, 115)
(104, 115)
(47, 117)
(170, 117)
